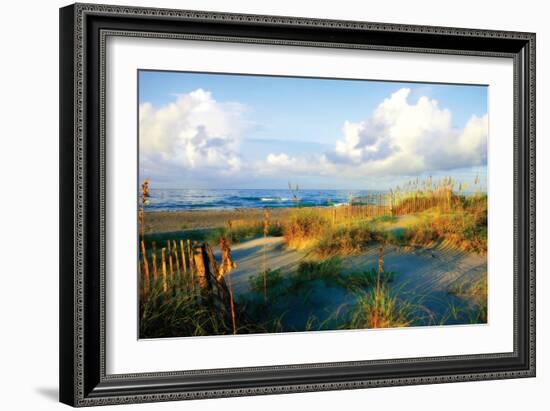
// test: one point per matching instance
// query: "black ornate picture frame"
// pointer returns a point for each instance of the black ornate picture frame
(84, 29)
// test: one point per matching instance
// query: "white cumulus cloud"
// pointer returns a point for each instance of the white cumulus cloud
(195, 131)
(408, 138)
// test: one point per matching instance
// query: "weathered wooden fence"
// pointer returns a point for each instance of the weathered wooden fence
(188, 267)
(393, 203)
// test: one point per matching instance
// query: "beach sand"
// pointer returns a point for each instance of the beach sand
(250, 258)
(170, 221)
(425, 275)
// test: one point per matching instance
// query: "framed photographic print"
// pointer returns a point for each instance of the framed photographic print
(261, 204)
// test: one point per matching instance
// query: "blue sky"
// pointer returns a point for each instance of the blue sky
(269, 129)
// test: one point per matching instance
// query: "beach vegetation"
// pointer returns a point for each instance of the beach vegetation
(465, 229)
(238, 231)
(380, 308)
(309, 271)
(180, 314)
(303, 228)
(272, 278)
(344, 240)
(360, 280)
(476, 294)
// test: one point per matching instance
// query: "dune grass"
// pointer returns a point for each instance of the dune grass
(385, 219)
(380, 308)
(234, 231)
(181, 314)
(330, 272)
(476, 294)
(344, 240)
(464, 226)
(466, 229)
(306, 229)
(162, 237)
(303, 228)
(359, 280)
(273, 280)
(285, 288)
(326, 269)
(185, 314)
(238, 231)
(308, 272)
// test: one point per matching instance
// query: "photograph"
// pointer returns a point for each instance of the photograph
(276, 204)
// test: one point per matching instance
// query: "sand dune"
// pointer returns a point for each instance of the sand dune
(422, 275)
(250, 259)
(424, 269)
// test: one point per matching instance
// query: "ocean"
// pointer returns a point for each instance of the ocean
(192, 199)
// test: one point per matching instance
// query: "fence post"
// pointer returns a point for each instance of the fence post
(191, 264)
(163, 257)
(210, 264)
(175, 249)
(146, 283)
(155, 273)
(183, 263)
(198, 262)
(232, 305)
(170, 264)
(154, 255)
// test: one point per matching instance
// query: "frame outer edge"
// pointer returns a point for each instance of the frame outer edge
(67, 331)
(79, 183)
(72, 162)
(246, 18)
(531, 136)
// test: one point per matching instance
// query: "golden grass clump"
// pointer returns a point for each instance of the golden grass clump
(304, 228)
(379, 308)
(464, 228)
(344, 241)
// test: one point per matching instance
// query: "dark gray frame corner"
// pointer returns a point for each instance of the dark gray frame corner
(83, 32)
